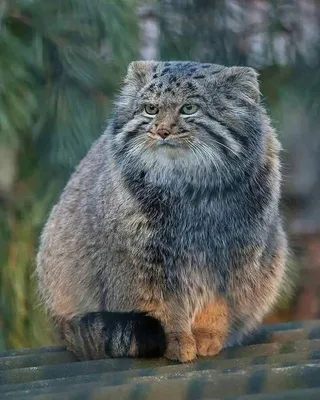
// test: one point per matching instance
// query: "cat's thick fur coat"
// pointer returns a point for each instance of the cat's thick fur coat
(168, 239)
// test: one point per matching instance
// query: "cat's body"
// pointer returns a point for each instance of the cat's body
(173, 214)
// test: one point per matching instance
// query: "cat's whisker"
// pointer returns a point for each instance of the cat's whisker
(202, 147)
(228, 148)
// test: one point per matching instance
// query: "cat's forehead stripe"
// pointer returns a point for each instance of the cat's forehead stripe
(178, 74)
(193, 70)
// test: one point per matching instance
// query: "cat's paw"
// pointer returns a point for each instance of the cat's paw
(181, 347)
(207, 343)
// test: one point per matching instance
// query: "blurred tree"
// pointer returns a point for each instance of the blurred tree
(61, 62)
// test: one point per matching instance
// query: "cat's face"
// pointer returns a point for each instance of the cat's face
(176, 118)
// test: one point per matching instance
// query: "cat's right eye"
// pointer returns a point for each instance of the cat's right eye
(151, 109)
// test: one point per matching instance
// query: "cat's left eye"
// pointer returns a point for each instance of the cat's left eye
(189, 109)
(151, 109)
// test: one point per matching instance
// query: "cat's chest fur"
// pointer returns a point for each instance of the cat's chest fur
(183, 232)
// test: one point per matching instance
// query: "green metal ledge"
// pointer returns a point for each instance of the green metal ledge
(281, 362)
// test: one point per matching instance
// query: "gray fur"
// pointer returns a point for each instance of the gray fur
(141, 222)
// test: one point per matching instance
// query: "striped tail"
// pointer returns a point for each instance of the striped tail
(104, 334)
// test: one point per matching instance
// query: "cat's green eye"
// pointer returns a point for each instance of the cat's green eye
(188, 109)
(151, 109)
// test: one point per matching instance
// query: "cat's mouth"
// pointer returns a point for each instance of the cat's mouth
(183, 135)
(171, 141)
(166, 143)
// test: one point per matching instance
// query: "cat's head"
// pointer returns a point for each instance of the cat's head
(187, 121)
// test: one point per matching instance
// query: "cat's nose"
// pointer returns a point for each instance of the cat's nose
(163, 132)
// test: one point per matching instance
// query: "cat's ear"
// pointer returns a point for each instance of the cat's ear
(243, 82)
(140, 72)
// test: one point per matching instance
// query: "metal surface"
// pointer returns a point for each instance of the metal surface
(281, 362)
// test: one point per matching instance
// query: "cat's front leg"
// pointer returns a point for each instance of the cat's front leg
(176, 321)
(211, 327)
(181, 346)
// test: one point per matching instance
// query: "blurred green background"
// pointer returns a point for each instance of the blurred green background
(61, 63)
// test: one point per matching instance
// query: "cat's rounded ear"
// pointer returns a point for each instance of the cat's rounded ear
(242, 82)
(140, 72)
